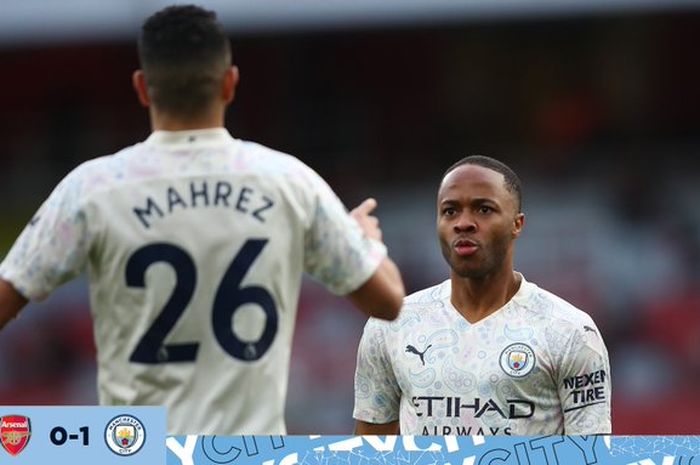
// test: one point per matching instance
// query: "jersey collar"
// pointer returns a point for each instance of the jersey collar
(521, 297)
(190, 138)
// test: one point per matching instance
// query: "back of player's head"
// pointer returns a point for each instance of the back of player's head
(184, 54)
(512, 181)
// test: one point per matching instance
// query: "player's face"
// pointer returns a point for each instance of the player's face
(477, 221)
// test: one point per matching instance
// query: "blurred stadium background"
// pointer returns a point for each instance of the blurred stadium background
(596, 104)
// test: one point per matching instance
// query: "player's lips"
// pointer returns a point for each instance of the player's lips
(465, 247)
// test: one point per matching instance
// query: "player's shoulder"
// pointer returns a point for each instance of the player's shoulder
(428, 297)
(551, 308)
(416, 306)
(258, 151)
(271, 160)
(97, 174)
(141, 160)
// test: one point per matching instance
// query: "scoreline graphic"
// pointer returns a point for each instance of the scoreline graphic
(136, 436)
(82, 435)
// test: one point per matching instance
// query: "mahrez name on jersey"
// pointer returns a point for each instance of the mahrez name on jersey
(204, 194)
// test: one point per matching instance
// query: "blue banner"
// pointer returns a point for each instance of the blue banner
(137, 436)
(433, 450)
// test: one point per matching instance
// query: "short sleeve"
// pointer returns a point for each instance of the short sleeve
(53, 247)
(336, 251)
(584, 383)
(377, 393)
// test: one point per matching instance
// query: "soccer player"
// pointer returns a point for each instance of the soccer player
(195, 243)
(485, 352)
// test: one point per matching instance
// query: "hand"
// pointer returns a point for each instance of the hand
(368, 223)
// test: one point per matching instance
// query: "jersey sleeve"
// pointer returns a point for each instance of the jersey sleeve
(377, 393)
(337, 252)
(584, 383)
(53, 247)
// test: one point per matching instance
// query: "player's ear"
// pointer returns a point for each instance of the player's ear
(518, 224)
(138, 80)
(228, 87)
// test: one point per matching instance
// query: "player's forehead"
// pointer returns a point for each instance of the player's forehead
(469, 181)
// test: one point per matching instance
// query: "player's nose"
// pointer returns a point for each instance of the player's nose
(465, 223)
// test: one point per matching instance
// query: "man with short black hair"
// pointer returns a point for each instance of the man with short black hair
(195, 243)
(485, 352)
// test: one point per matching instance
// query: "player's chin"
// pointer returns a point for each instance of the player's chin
(467, 270)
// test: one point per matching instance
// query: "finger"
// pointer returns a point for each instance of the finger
(366, 207)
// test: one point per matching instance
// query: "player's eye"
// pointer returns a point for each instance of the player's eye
(486, 210)
(448, 211)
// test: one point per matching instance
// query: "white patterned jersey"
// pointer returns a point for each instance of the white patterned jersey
(195, 243)
(537, 366)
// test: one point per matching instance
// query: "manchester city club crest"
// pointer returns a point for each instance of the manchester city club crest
(517, 360)
(15, 431)
(125, 435)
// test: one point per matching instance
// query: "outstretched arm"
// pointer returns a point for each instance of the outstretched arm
(11, 302)
(382, 294)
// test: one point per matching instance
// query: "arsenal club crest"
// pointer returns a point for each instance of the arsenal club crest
(15, 431)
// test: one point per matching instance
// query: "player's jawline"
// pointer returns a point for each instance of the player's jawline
(583, 406)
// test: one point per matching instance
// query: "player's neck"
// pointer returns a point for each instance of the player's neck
(164, 122)
(476, 299)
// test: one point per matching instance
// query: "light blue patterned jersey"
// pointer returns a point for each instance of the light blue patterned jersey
(536, 366)
(195, 243)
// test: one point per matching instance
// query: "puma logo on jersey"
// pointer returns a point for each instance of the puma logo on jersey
(413, 350)
(587, 328)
